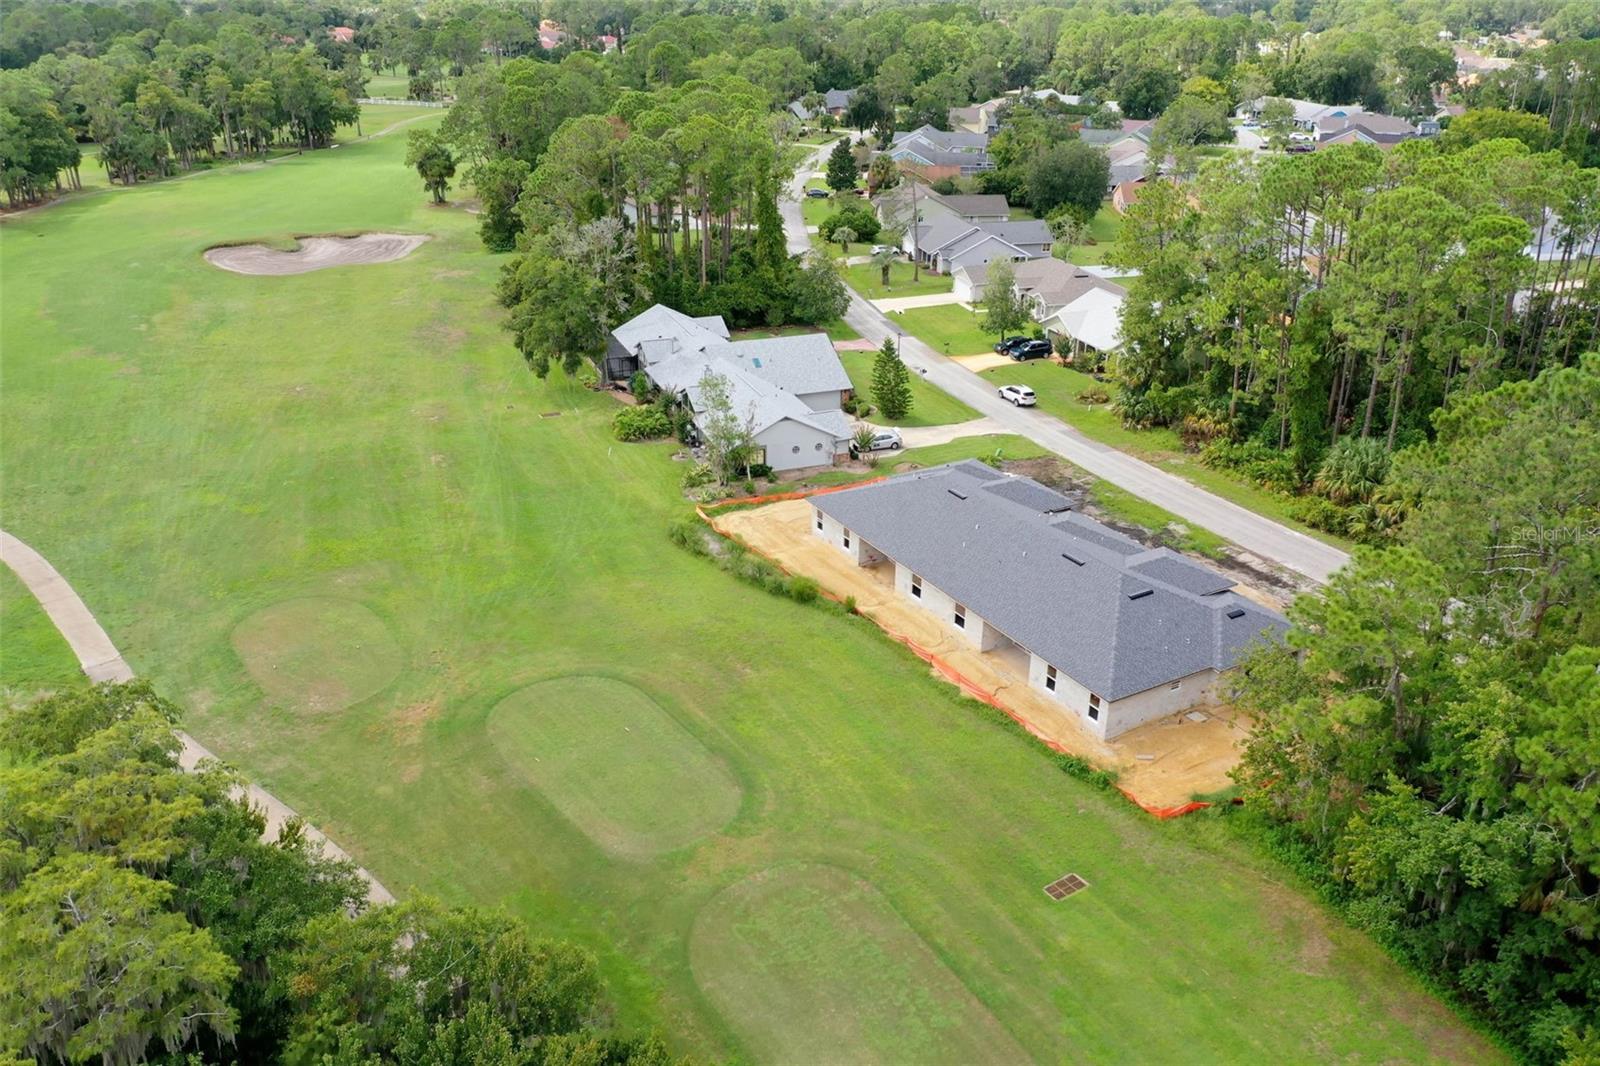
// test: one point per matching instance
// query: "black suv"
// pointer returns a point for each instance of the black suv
(1006, 344)
(1030, 350)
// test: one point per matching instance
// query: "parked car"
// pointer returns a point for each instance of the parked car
(1251, 124)
(879, 249)
(1018, 395)
(1030, 350)
(1299, 147)
(817, 194)
(1005, 344)
(886, 439)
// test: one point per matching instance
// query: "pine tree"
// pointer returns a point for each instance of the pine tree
(891, 383)
(841, 167)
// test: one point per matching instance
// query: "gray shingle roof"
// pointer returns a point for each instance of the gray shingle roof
(1061, 586)
(801, 364)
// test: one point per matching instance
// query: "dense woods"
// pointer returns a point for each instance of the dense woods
(1309, 313)
(1427, 743)
(159, 93)
(142, 916)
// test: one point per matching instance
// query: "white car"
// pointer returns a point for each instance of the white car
(879, 249)
(885, 438)
(1018, 395)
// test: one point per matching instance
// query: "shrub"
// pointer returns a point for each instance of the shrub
(639, 385)
(688, 533)
(588, 377)
(850, 605)
(804, 590)
(641, 423)
(759, 470)
(1265, 466)
(1198, 430)
(1094, 394)
(1352, 470)
(749, 488)
(1322, 514)
(861, 221)
(697, 475)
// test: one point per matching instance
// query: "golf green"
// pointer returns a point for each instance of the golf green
(614, 763)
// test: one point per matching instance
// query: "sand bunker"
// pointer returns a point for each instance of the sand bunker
(315, 253)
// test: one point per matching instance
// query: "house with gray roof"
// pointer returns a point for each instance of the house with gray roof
(835, 102)
(932, 154)
(946, 243)
(1116, 633)
(788, 391)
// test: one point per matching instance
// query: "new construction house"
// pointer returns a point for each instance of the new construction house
(1117, 633)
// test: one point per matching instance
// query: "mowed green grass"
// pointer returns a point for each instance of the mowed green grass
(191, 447)
(948, 329)
(930, 405)
(34, 657)
(867, 279)
(615, 763)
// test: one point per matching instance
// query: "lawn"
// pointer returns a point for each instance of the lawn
(948, 329)
(33, 655)
(351, 475)
(867, 279)
(1058, 389)
(1103, 231)
(930, 405)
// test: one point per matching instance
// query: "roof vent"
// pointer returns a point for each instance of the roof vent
(755, 360)
(1074, 560)
(957, 495)
(1237, 612)
(1141, 594)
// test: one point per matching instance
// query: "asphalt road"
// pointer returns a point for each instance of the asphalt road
(1261, 536)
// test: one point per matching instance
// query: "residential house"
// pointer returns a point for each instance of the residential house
(1126, 194)
(945, 244)
(1092, 322)
(979, 118)
(1307, 113)
(1368, 127)
(835, 102)
(932, 154)
(1046, 284)
(1118, 634)
(894, 205)
(342, 34)
(788, 390)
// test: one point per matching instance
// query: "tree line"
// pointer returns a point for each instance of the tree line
(157, 101)
(143, 917)
(1426, 743)
(1306, 315)
(615, 198)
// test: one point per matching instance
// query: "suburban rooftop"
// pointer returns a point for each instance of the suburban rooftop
(1114, 615)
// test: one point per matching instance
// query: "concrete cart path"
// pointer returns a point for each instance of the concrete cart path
(1268, 539)
(102, 662)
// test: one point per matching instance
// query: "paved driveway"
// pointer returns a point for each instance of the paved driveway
(908, 303)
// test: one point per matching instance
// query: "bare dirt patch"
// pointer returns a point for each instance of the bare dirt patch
(314, 253)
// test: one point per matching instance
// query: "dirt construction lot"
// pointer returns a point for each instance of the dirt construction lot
(1163, 763)
(315, 253)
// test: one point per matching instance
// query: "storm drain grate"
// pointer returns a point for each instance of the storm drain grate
(1065, 886)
